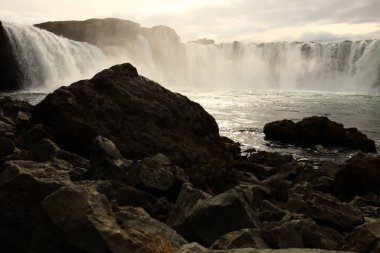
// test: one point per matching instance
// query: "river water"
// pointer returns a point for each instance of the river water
(241, 115)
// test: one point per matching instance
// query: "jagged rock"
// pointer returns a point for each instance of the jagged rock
(368, 205)
(187, 198)
(279, 188)
(259, 170)
(327, 209)
(33, 136)
(159, 179)
(323, 184)
(7, 147)
(318, 130)
(126, 195)
(359, 175)
(245, 238)
(270, 212)
(106, 160)
(43, 151)
(23, 185)
(87, 221)
(216, 216)
(365, 238)
(140, 117)
(309, 172)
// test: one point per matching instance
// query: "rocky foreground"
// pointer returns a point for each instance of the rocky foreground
(120, 164)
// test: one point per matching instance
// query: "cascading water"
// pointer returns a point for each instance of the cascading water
(47, 60)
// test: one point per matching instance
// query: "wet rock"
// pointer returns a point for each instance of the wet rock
(7, 147)
(245, 238)
(270, 212)
(359, 175)
(327, 210)
(214, 217)
(140, 117)
(80, 210)
(318, 130)
(259, 170)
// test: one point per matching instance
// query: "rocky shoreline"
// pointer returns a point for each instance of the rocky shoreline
(118, 163)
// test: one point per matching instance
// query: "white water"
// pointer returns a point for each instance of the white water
(49, 61)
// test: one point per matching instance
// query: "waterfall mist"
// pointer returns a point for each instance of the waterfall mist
(49, 61)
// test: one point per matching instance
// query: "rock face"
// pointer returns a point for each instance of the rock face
(318, 130)
(139, 116)
(10, 73)
(360, 175)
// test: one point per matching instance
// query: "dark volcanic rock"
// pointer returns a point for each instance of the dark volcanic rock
(318, 130)
(360, 175)
(139, 116)
(214, 217)
(10, 72)
(86, 219)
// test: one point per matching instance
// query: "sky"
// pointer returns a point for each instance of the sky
(221, 20)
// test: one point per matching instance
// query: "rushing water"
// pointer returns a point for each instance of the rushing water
(48, 61)
(241, 115)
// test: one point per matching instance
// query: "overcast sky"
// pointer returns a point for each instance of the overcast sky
(222, 20)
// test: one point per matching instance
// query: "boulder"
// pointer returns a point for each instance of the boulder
(245, 238)
(211, 218)
(140, 117)
(6, 147)
(365, 238)
(23, 185)
(87, 221)
(318, 130)
(106, 160)
(327, 209)
(271, 159)
(359, 175)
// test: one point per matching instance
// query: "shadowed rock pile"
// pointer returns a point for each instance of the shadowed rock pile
(120, 164)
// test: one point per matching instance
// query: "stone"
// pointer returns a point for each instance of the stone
(328, 210)
(211, 218)
(7, 146)
(359, 175)
(106, 160)
(365, 238)
(318, 130)
(271, 159)
(86, 219)
(186, 200)
(33, 136)
(140, 117)
(23, 185)
(245, 238)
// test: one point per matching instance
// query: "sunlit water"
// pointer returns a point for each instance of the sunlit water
(241, 115)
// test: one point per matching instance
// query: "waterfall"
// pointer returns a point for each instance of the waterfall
(48, 61)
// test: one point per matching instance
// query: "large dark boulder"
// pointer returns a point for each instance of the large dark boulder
(359, 175)
(141, 117)
(318, 130)
(10, 72)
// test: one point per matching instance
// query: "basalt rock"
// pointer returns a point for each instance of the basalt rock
(318, 130)
(10, 72)
(141, 117)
